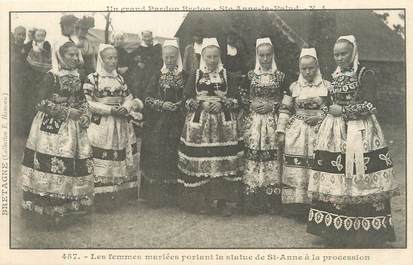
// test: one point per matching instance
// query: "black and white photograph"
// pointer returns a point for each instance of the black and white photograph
(144, 128)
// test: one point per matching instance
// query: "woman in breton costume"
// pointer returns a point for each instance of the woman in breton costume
(113, 141)
(210, 153)
(300, 116)
(57, 169)
(163, 125)
(352, 179)
(261, 99)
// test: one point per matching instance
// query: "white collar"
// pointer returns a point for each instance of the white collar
(104, 73)
(165, 70)
(198, 47)
(64, 72)
(143, 44)
(231, 50)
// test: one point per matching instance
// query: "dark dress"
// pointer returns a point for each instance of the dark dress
(39, 63)
(19, 90)
(124, 58)
(151, 57)
(135, 79)
(352, 208)
(210, 154)
(235, 63)
(191, 59)
(162, 129)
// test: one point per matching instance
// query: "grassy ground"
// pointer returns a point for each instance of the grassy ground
(137, 226)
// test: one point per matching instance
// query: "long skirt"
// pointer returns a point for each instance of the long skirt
(159, 159)
(353, 207)
(300, 139)
(57, 169)
(261, 178)
(210, 159)
(115, 158)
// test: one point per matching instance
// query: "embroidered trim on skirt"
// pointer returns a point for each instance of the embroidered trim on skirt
(210, 152)
(57, 170)
(361, 223)
(262, 173)
(298, 160)
(115, 156)
(350, 201)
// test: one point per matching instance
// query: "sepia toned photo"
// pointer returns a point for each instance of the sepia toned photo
(218, 128)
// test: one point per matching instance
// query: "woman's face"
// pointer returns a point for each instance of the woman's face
(118, 41)
(110, 59)
(308, 68)
(71, 57)
(40, 35)
(343, 53)
(82, 32)
(211, 56)
(170, 57)
(30, 34)
(265, 55)
(20, 35)
(68, 29)
(147, 38)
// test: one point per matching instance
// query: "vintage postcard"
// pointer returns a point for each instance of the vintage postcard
(179, 132)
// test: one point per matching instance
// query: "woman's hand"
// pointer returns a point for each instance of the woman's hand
(122, 111)
(335, 110)
(74, 114)
(312, 120)
(255, 105)
(84, 121)
(169, 106)
(119, 111)
(55, 98)
(264, 108)
(193, 104)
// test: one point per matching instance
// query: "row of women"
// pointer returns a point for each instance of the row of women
(263, 145)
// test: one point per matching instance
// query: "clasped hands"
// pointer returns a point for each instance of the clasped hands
(212, 107)
(262, 107)
(169, 106)
(75, 114)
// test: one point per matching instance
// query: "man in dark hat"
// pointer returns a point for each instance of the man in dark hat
(192, 54)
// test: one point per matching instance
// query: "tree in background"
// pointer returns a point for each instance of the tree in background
(399, 27)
